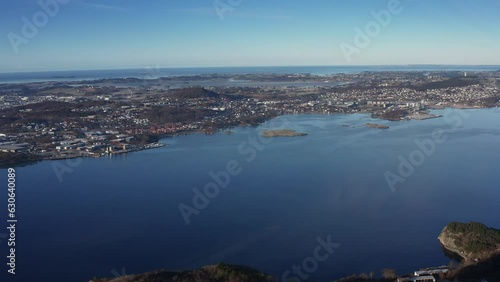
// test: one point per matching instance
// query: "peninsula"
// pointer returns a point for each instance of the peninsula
(472, 241)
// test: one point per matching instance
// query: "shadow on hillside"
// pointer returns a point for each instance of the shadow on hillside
(487, 269)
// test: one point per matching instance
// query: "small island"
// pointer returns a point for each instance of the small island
(379, 126)
(282, 133)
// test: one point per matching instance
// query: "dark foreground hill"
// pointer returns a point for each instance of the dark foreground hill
(212, 273)
(477, 244)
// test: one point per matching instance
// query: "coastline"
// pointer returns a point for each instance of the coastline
(158, 144)
(40, 158)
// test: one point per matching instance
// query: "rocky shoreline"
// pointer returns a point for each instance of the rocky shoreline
(472, 241)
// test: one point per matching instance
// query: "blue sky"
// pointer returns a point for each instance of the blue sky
(106, 34)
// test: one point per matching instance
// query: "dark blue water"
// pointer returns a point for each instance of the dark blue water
(122, 212)
(155, 72)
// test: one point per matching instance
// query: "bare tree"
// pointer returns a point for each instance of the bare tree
(389, 274)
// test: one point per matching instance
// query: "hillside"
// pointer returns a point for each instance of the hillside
(194, 93)
(212, 273)
(451, 82)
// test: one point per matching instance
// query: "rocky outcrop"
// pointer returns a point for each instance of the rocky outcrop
(447, 239)
(472, 241)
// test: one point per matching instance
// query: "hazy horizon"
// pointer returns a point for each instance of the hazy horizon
(236, 67)
(51, 35)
